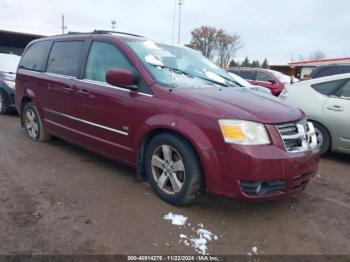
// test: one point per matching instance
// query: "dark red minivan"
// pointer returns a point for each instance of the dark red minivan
(169, 112)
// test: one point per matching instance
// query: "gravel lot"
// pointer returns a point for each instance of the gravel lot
(56, 198)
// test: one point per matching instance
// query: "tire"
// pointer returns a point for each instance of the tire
(323, 138)
(33, 123)
(173, 169)
(4, 103)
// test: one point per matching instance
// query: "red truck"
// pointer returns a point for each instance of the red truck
(167, 111)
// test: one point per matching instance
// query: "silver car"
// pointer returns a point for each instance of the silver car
(326, 102)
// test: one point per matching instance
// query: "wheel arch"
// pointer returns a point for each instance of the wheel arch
(161, 130)
(24, 101)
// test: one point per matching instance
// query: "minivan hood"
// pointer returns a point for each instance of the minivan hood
(242, 103)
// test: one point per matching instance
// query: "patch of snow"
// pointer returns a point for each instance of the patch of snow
(254, 251)
(199, 242)
(178, 220)
(151, 59)
(150, 45)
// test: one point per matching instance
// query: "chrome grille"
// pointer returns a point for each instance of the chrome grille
(298, 137)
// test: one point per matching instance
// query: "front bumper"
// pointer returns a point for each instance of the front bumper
(264, 172)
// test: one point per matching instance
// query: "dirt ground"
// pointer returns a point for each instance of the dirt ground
(56, 198)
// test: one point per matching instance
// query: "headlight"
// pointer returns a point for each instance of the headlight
(10, 84)
(244, 132)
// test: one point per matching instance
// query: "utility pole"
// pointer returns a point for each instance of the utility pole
(114, 25)
(180, 7)
(174, 17)
(63, 27)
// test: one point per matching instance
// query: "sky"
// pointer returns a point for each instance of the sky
(278, 30)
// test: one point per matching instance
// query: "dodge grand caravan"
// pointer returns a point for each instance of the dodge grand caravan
(167, 111)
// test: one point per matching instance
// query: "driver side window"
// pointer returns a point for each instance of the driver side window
(262, 76)
(102, 57)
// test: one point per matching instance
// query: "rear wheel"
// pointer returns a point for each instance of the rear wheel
(323, 138)
(4, 103)
(173, 169)
(33, 123)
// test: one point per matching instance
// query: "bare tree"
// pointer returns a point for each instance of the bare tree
(204, 39)
(215, 44)
(317, 55)
(227, 45)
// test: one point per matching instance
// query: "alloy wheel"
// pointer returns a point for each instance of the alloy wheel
(319, 137)
(168, 169)
(32, 124)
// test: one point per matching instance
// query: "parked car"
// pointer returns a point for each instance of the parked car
(167, 111)
(8, 68)
(326, 102)
(273, 80)
(329, 70)
(244, 83)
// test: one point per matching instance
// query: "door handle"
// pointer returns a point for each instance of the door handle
(84, 92)
(68, 89)
(335, 108)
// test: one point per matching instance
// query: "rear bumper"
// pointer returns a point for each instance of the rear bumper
(278, 172)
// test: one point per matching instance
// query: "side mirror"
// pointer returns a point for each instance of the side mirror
(121, 78)
(272, 81)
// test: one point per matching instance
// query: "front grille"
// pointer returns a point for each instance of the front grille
(298, 137)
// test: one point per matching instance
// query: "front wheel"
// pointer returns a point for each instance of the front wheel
(4, 103)
(173, 169)
(323, 138)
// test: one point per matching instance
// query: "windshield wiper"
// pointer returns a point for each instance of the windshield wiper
(191, 75)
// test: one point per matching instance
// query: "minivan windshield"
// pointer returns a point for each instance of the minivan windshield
(179, 66)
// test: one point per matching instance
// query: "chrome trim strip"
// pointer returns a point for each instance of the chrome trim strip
(110, 86)
(60, 75)
(100, 83)
(87, 122)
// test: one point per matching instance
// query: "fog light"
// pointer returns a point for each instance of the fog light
(258, 189)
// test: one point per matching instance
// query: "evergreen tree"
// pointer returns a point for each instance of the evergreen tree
(246, 62)
(233, 63)
(265, 64)
(255, 63)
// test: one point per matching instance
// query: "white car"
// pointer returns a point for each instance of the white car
(326, 102)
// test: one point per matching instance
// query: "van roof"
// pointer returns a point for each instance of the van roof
(95, 32)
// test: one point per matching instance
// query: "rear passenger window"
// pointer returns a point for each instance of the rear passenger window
(65, 57)
(249, 75)
(102, 57)
(327, 88)
(345, 91)
(35, 56)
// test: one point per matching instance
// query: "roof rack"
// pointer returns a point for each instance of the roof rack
(103, 32)
(115, 32)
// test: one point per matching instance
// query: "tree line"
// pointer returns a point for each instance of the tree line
(247, 63)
